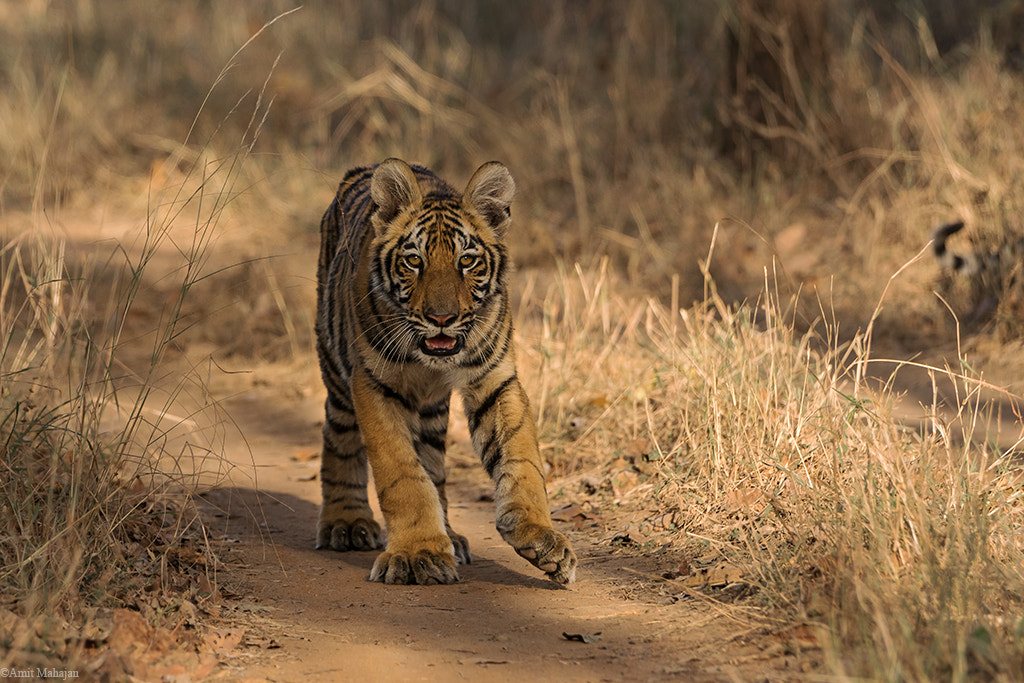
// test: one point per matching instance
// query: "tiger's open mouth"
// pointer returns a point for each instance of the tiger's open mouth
(441, 345)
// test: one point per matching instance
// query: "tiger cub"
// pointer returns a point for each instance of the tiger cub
(986, 284)
(412, 302)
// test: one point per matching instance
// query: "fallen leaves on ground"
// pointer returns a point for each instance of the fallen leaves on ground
(580, 516)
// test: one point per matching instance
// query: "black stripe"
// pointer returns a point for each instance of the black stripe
(334, 399)
(359, 505)
(492, 462)
(435, 440)
(528, 461)
(490, 458)
(388, 392)
(327, 359)
(346, 364)
(341, 400)
(326, 312)
(512, 431)
(488, 403)
(437, 410)
(387, 489)
(340, 429)
(331, 353)
(338, 455)
(365, 171)
(354, 486)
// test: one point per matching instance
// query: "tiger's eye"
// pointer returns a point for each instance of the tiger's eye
(467, 260)
(413, 260)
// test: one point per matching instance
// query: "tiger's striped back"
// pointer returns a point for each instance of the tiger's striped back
(412, 303)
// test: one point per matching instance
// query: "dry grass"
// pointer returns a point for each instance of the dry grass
(743, 429)
(98, 468)
(727, 435)
(611, 118)
(89, 521)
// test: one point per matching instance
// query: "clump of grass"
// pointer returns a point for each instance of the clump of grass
(80, 508)
(743, 441)
(97, 466)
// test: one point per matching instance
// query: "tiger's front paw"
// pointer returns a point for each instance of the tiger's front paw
(548, 550)
(462, 555)
(361, 533)
(423, 567)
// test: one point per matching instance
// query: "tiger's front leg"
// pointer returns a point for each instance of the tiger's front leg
(430, 448)
(346, 520)
(419, 549)
(505, 437)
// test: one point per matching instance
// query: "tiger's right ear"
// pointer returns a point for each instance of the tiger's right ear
(393, 187)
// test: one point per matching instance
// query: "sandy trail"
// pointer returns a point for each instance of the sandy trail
(502, 621)
(312, 615)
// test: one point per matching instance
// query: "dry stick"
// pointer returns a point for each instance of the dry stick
(705, 267)
(575, 161)
(44, 158)
(674, 315)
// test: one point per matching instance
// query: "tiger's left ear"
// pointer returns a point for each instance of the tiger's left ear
(490, 193)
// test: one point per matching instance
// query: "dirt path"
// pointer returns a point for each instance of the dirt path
(292, 613)
(318, 618)
(297, 614)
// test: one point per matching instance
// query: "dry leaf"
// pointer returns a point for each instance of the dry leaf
(204, 586)
(802, 635)
(262, 643)
(743, 498)
(623, 482)
(638, 448)
(715, 577)
(305, 454)
(129, 628)
(223, 640)
(579, 516)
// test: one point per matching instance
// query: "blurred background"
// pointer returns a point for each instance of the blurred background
(824, 139)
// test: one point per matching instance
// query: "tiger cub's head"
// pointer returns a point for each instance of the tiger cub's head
(439, 258)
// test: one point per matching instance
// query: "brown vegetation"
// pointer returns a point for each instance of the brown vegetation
(717, 248)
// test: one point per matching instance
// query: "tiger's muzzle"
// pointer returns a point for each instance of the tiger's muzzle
(442, 345)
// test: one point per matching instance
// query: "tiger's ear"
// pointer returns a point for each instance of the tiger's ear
(490, 193)
(393, 187)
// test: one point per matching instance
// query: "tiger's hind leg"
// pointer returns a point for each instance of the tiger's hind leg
(430, 447)
(346, 520)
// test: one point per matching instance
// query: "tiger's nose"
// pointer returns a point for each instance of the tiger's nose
(439, 319)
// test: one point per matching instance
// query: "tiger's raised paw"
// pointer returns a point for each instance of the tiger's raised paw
(422, 567)
(549, 551)
(357, 534)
